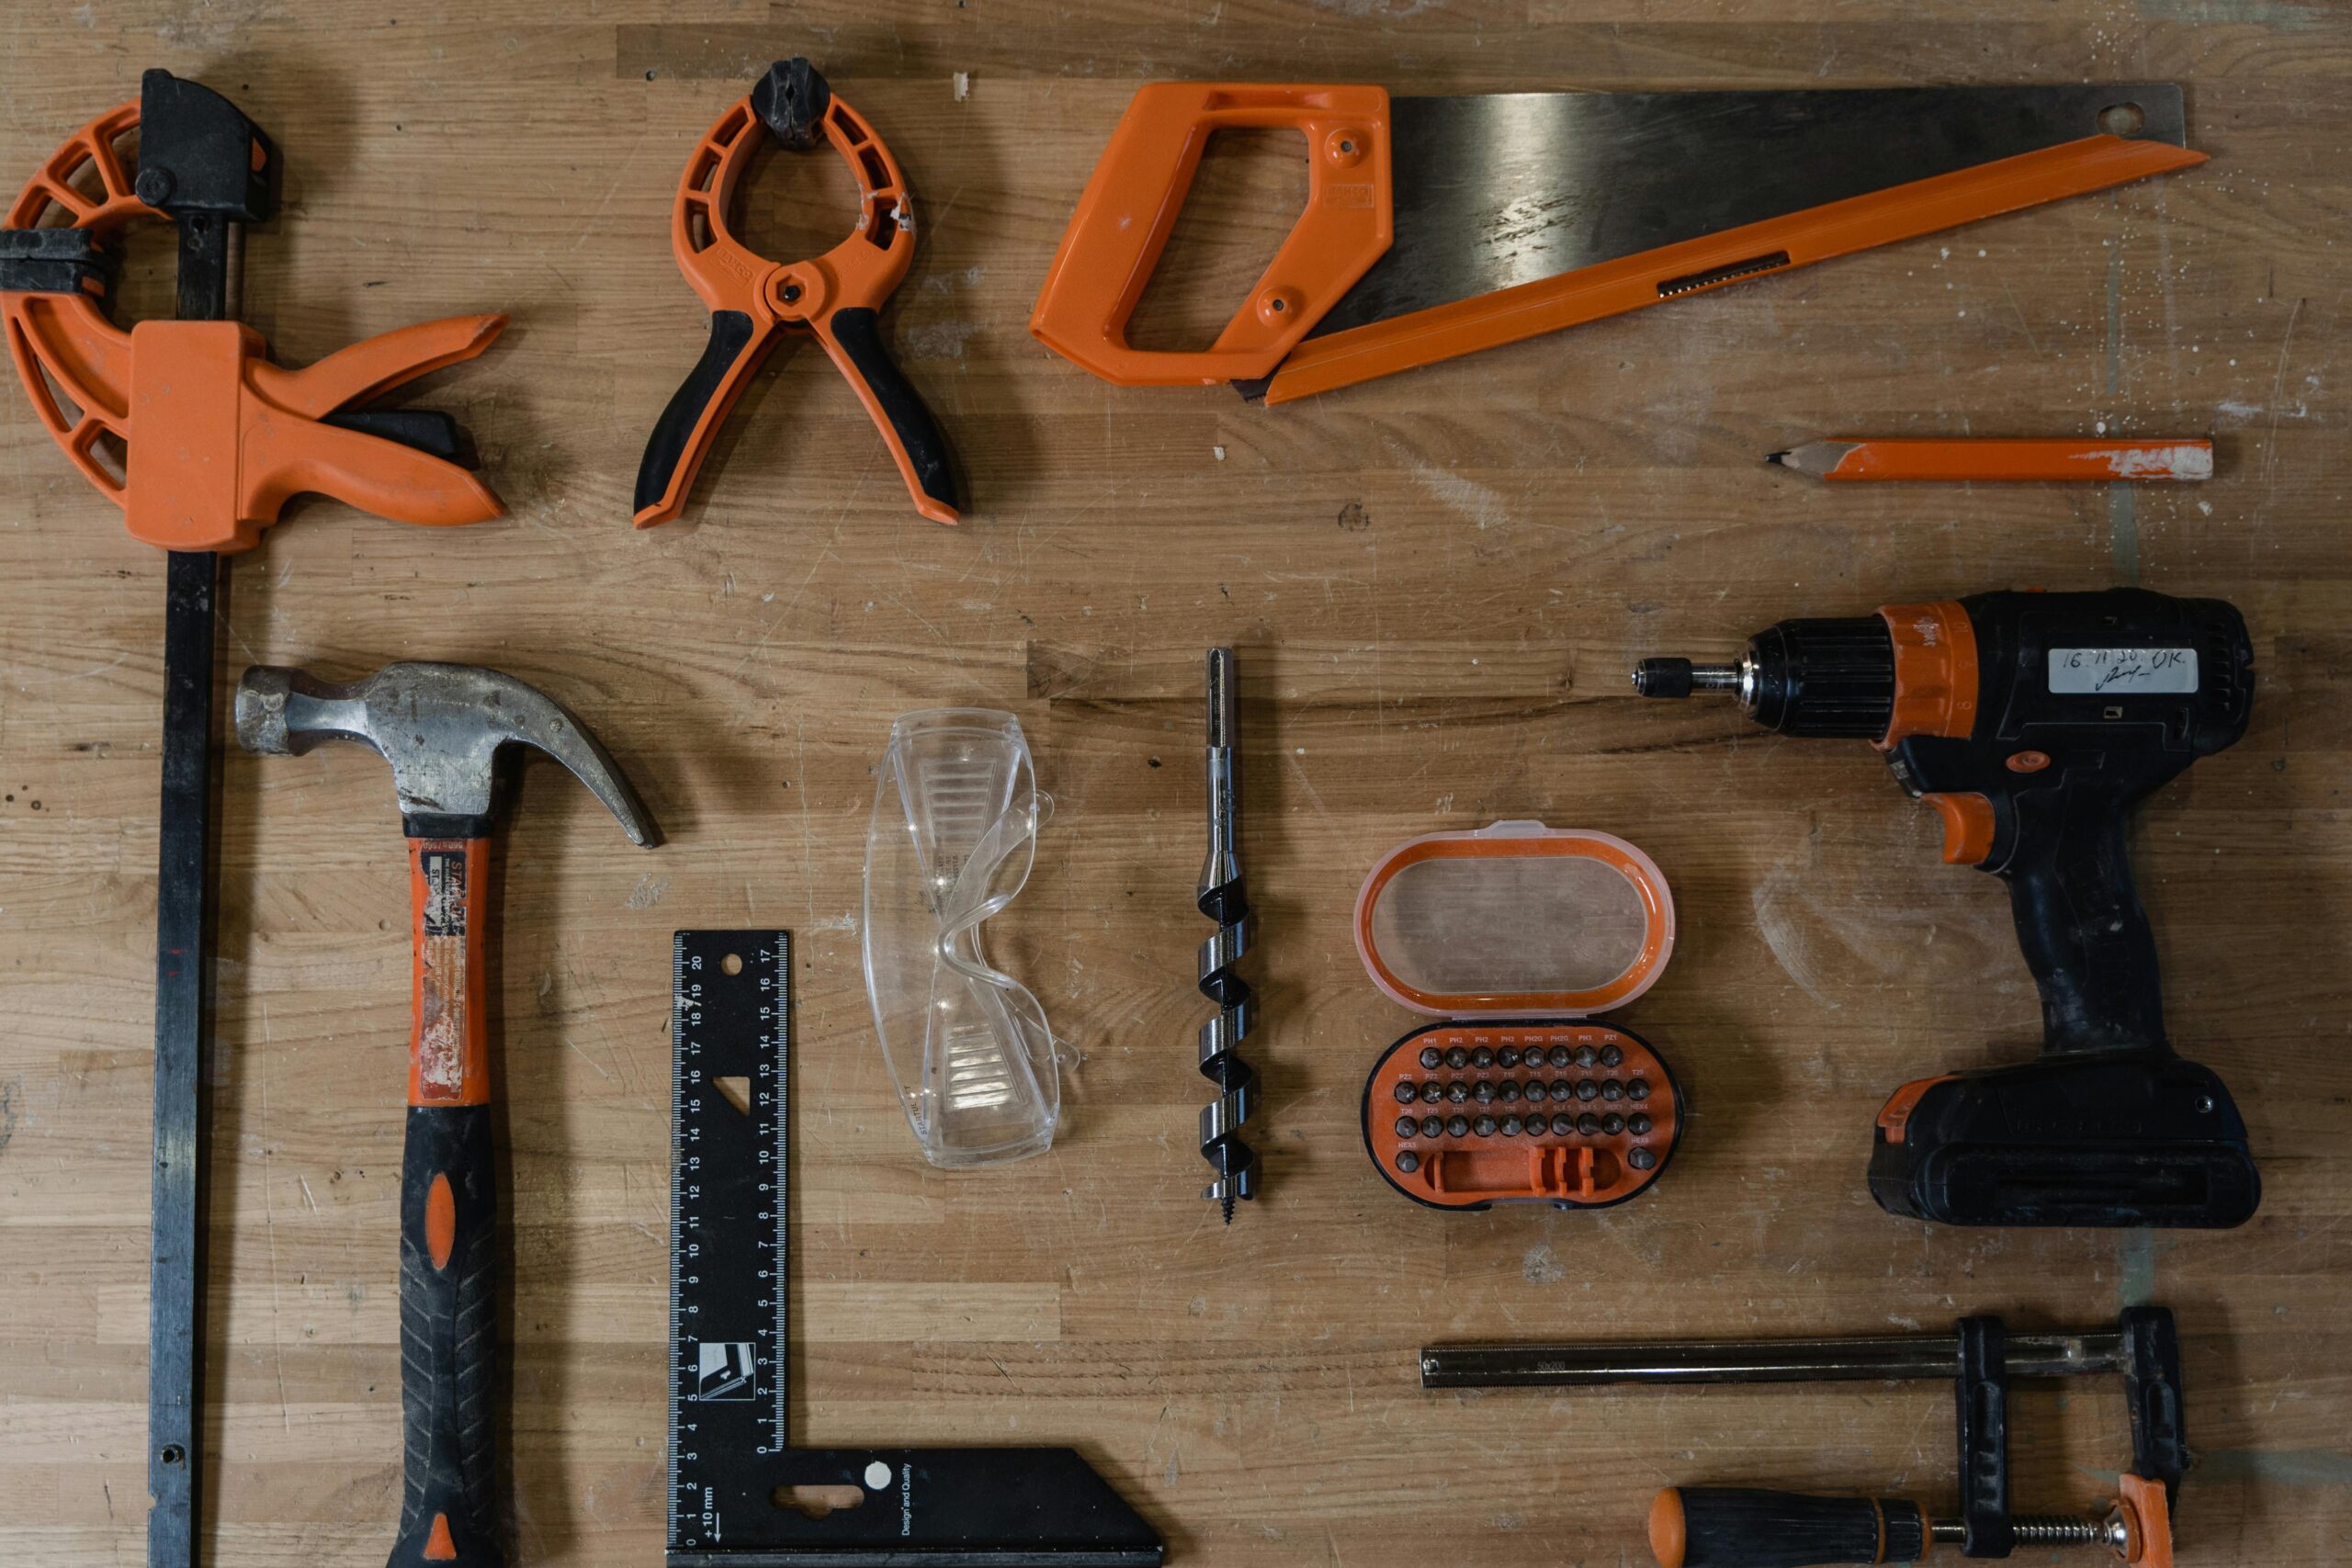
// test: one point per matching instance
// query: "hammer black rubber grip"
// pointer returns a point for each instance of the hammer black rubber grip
(1730, 1526)
(448, 1340)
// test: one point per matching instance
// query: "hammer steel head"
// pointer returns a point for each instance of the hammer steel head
(440, 725)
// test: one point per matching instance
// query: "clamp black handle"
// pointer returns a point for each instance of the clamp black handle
(915, 440)
(1736, 1527)
(690, 420)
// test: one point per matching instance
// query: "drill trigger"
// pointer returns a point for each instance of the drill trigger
(1968, 826)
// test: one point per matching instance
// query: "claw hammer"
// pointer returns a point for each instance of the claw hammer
(442, 727)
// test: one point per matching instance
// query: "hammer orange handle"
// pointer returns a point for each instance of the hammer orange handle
(449, 1222)
(449, 1055)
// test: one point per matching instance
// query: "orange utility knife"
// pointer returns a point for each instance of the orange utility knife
(837, 297)
(1437, 226)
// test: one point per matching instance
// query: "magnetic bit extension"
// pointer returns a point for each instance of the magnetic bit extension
(1224, 899)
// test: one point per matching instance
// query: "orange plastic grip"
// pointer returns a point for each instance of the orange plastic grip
(1129, 207)
(448, 904)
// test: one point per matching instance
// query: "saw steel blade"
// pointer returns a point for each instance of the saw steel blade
(1501, 189)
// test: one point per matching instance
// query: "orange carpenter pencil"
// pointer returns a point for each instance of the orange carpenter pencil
(1965, 459)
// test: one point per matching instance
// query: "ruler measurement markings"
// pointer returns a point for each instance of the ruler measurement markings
(729, 1391)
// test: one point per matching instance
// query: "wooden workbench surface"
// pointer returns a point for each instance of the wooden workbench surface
(1436, 583)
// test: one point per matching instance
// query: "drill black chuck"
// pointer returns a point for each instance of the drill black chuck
(1831, 677)
(1808, 677)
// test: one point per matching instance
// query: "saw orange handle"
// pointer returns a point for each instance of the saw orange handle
(836, 297)
(1129, 207)
(449, 1222)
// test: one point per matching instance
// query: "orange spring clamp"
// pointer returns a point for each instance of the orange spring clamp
(186, 424)
(837, 297)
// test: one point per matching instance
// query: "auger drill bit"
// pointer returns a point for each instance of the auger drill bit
(1224, 899)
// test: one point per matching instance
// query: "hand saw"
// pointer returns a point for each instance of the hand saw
(1437, 226)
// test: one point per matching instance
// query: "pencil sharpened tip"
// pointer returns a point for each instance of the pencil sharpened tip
(1778, 458)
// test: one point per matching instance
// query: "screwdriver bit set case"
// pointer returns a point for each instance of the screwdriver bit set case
(1513, 936)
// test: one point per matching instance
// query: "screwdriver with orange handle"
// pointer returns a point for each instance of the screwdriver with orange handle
(2033, 723)
(836, 298)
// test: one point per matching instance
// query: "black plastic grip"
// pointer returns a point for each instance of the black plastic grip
(1731, 1527)
(449, 1341)
(911, 426)
(673, 441)
(2080, 922)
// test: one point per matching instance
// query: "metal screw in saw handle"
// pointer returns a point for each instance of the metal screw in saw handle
(1223, 900)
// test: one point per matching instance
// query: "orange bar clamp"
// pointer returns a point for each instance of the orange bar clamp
(216, 438)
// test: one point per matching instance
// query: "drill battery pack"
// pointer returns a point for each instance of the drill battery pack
(2139, 1138)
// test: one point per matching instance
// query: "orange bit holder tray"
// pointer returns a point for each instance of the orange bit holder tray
(1572, 1114)
(1489, 931)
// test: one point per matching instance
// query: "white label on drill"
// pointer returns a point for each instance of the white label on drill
(2097, 670)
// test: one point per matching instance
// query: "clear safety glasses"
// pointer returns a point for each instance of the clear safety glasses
(955, 830)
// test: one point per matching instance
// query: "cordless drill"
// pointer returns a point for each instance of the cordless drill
(2033, 722)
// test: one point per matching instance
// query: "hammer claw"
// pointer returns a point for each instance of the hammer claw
(441, 727)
